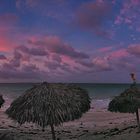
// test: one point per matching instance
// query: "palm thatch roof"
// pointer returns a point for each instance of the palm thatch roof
(48, 104)
(1, 101)
(126, 102)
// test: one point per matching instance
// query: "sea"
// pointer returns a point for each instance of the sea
(100, 94)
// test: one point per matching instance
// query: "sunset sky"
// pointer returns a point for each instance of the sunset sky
(69, 40)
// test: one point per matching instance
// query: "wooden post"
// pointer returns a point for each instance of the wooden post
(43, 127)
(53, 132)
(138, 120)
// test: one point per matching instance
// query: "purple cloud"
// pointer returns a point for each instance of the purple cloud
(25, 72)
(88, 64)
(16, 59)
(2, 57)
(33, 51)
(57, 46)
(92, 16)
(57, 66)
(52, 65)
(56, 57)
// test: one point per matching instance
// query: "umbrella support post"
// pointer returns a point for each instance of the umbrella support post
(43, 129)
(138, 121)
(53, 132)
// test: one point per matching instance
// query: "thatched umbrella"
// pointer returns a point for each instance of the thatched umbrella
(127, 102)
(50, 104)
(1, 101)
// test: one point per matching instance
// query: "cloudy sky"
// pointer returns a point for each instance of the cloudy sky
(69, 40)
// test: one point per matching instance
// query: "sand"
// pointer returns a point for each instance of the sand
(96, 124)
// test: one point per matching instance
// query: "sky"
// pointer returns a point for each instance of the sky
(84, 41)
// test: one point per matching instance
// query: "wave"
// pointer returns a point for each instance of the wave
(100, 103)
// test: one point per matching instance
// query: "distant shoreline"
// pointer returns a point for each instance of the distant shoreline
(66, 83)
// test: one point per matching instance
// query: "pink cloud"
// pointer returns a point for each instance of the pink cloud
(56, 57)
(129, 13)
(135, 2)
(105, 49)
(46, 53)
(118, 20)
(5, 44)
(52, 54)
(118, 54)
(101, 64)
(134, 49)
(113, 60)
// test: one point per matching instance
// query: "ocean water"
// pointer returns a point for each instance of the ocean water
(99, 93)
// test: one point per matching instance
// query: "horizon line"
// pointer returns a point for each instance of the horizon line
(67, 82)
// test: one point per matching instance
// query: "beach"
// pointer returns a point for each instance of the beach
(69, 69)
(96, 124)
